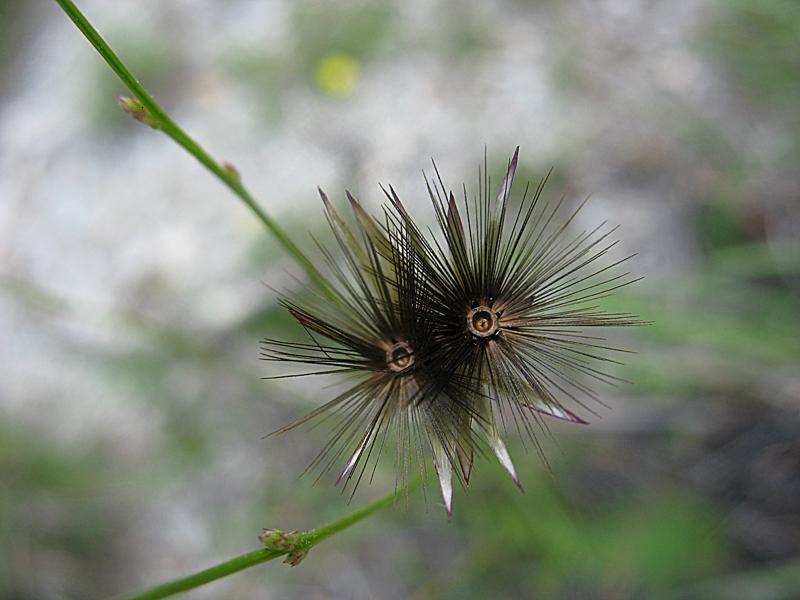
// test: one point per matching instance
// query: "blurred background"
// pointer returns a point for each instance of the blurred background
(134, 289)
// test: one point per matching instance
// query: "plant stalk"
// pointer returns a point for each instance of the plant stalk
(159, 119)
(305, 542)
(164, 122)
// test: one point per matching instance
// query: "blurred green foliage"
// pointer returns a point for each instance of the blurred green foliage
(760, 42)
(15, 23)
(724, 328)
(48, 500)
(539, 545)
(332, 43)
(357, 28)
(357, 31)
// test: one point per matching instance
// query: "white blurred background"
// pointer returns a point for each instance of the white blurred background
(132, 289)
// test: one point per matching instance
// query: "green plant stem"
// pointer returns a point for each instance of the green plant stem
(219, 571)
(231, 179)
(167, 125)
(307, 541)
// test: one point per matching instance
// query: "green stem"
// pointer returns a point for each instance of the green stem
(168, 126)
(219, 571)
(315, 536)
(231, 179)
(306, 541)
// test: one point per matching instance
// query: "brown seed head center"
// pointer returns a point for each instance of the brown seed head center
(399, 357)
(482, 321)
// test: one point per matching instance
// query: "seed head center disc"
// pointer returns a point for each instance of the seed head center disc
(482, 321)
(399, 357)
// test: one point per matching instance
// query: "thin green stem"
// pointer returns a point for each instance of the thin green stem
(245, 561)
(305, 542)
(317, 535)
(227, 176)
(161, 120)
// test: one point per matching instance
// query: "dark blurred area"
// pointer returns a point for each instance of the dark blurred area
(134, 290)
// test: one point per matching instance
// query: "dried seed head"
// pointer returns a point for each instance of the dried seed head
(399, 357)
(446, 336)
(378, 327)
(482, 321)
(519, 347)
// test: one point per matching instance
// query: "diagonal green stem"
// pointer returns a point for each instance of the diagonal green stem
(168, 126)
(306, 541)
(231, 179)
(219, 571)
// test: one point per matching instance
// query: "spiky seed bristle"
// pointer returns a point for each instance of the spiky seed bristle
(437, 374)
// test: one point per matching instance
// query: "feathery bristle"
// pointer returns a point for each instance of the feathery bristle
(376, 326)
(450, 335)
(515, 291)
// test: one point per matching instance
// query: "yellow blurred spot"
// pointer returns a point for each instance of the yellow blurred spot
(337, 74)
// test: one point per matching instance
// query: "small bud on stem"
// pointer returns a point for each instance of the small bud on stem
(136, 109)
(232, 171)
(284, 541)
